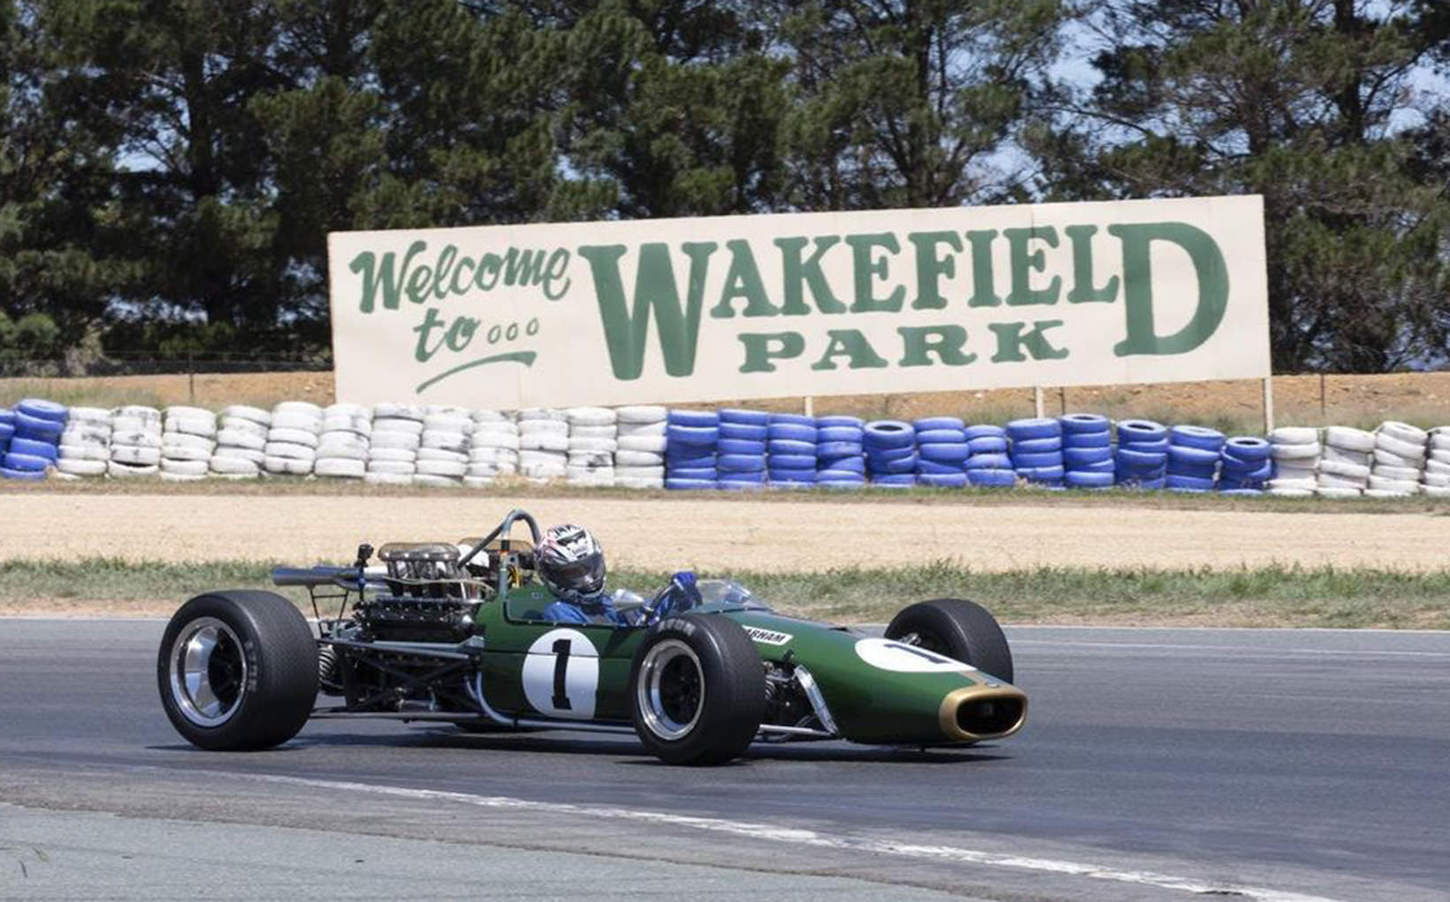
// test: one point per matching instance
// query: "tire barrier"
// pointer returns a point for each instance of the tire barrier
(1345, 462)
(1400, 455)
(890, 448)
(1141, 458)
(640, 461)
(1087, 451)
(494, 448)
(1035, 446)
(396, 434)
(1244, 465)
(241, 440)
(840, 452)
(1295, 451)
(1436, 480)
(31, 433)
(791, 443)
(651, 447)
(987, 463)
(741, 449)
(692, 438)
(593, 442)
(941, 452)
(1193, 458)
(543, 444)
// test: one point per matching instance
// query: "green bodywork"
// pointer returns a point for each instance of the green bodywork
(869, 703)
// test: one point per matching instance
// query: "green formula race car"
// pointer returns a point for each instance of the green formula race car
(451, 632)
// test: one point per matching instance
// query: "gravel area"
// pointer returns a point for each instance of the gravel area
(716, 533)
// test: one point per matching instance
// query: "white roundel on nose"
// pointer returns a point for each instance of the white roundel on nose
(888, 654)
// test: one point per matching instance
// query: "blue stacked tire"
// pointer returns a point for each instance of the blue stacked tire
(33, 443)
(1036, 450)
(1244, 465)
(1193, 454)
(691, 441)
(1141, 458)
(890, 447)
(740, 454)
(1087, 451)
(791, 450)
(7, 429)
(840, 452)
(941, 452)
(988, 463)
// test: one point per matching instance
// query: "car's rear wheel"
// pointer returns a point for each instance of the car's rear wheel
(958, 629)
(698, 690)
(237, 670)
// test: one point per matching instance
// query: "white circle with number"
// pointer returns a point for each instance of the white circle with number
(561, 674)
(888, 654)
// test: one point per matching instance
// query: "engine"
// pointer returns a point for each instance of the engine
(430, 598)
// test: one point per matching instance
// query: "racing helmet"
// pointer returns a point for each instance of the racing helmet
(570, 562)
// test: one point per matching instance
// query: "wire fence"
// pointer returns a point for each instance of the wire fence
(144, 363)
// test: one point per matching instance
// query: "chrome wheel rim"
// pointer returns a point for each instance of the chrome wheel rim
(671, 689)
(208, 672)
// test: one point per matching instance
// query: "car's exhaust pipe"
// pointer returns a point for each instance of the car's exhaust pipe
(975, 713)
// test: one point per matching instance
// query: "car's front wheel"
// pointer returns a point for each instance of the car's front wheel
(698, 690)
(237, 670)
(959, 629)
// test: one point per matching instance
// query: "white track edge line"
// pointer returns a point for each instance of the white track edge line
(798, 836)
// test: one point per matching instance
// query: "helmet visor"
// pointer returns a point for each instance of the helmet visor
(584, 576)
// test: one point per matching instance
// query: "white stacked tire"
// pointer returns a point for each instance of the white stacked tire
(543, 444)
(639, 457)
(135, 442)
(291, 448)
(1295, 451)
(240, 442)
(343, 443)
(1436, 480)
(1344, 467)
(593, 439)
(1400, 455)
(443, 447)
(494, 449)
(397, 433)
(188, 438)
(85, 445)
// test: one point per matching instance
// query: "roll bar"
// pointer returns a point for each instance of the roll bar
(354, 579)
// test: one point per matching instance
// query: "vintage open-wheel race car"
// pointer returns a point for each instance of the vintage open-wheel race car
(454, 632)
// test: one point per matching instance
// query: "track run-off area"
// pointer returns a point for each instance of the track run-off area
(720, 534)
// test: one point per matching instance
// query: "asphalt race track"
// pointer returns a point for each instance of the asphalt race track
(1156, 764)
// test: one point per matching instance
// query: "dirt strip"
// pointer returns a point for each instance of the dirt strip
(722, 534)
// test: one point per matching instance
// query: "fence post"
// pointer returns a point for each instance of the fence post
(191, 379)
(1268, 404)
(1323, 406)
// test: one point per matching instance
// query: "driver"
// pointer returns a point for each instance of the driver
(570, 564)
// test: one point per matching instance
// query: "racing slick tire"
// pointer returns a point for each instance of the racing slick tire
(237, 670)
(698, 690)
(958, 629)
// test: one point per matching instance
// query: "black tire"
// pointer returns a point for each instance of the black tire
(255, 688)
(679, 727)
(958, 629)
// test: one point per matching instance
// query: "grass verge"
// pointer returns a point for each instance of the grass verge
(1264, 597)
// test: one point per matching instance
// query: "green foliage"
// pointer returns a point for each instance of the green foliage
(1298, 102)
(169, 169)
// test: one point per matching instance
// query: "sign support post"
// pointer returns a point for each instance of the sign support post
(1268, 404)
